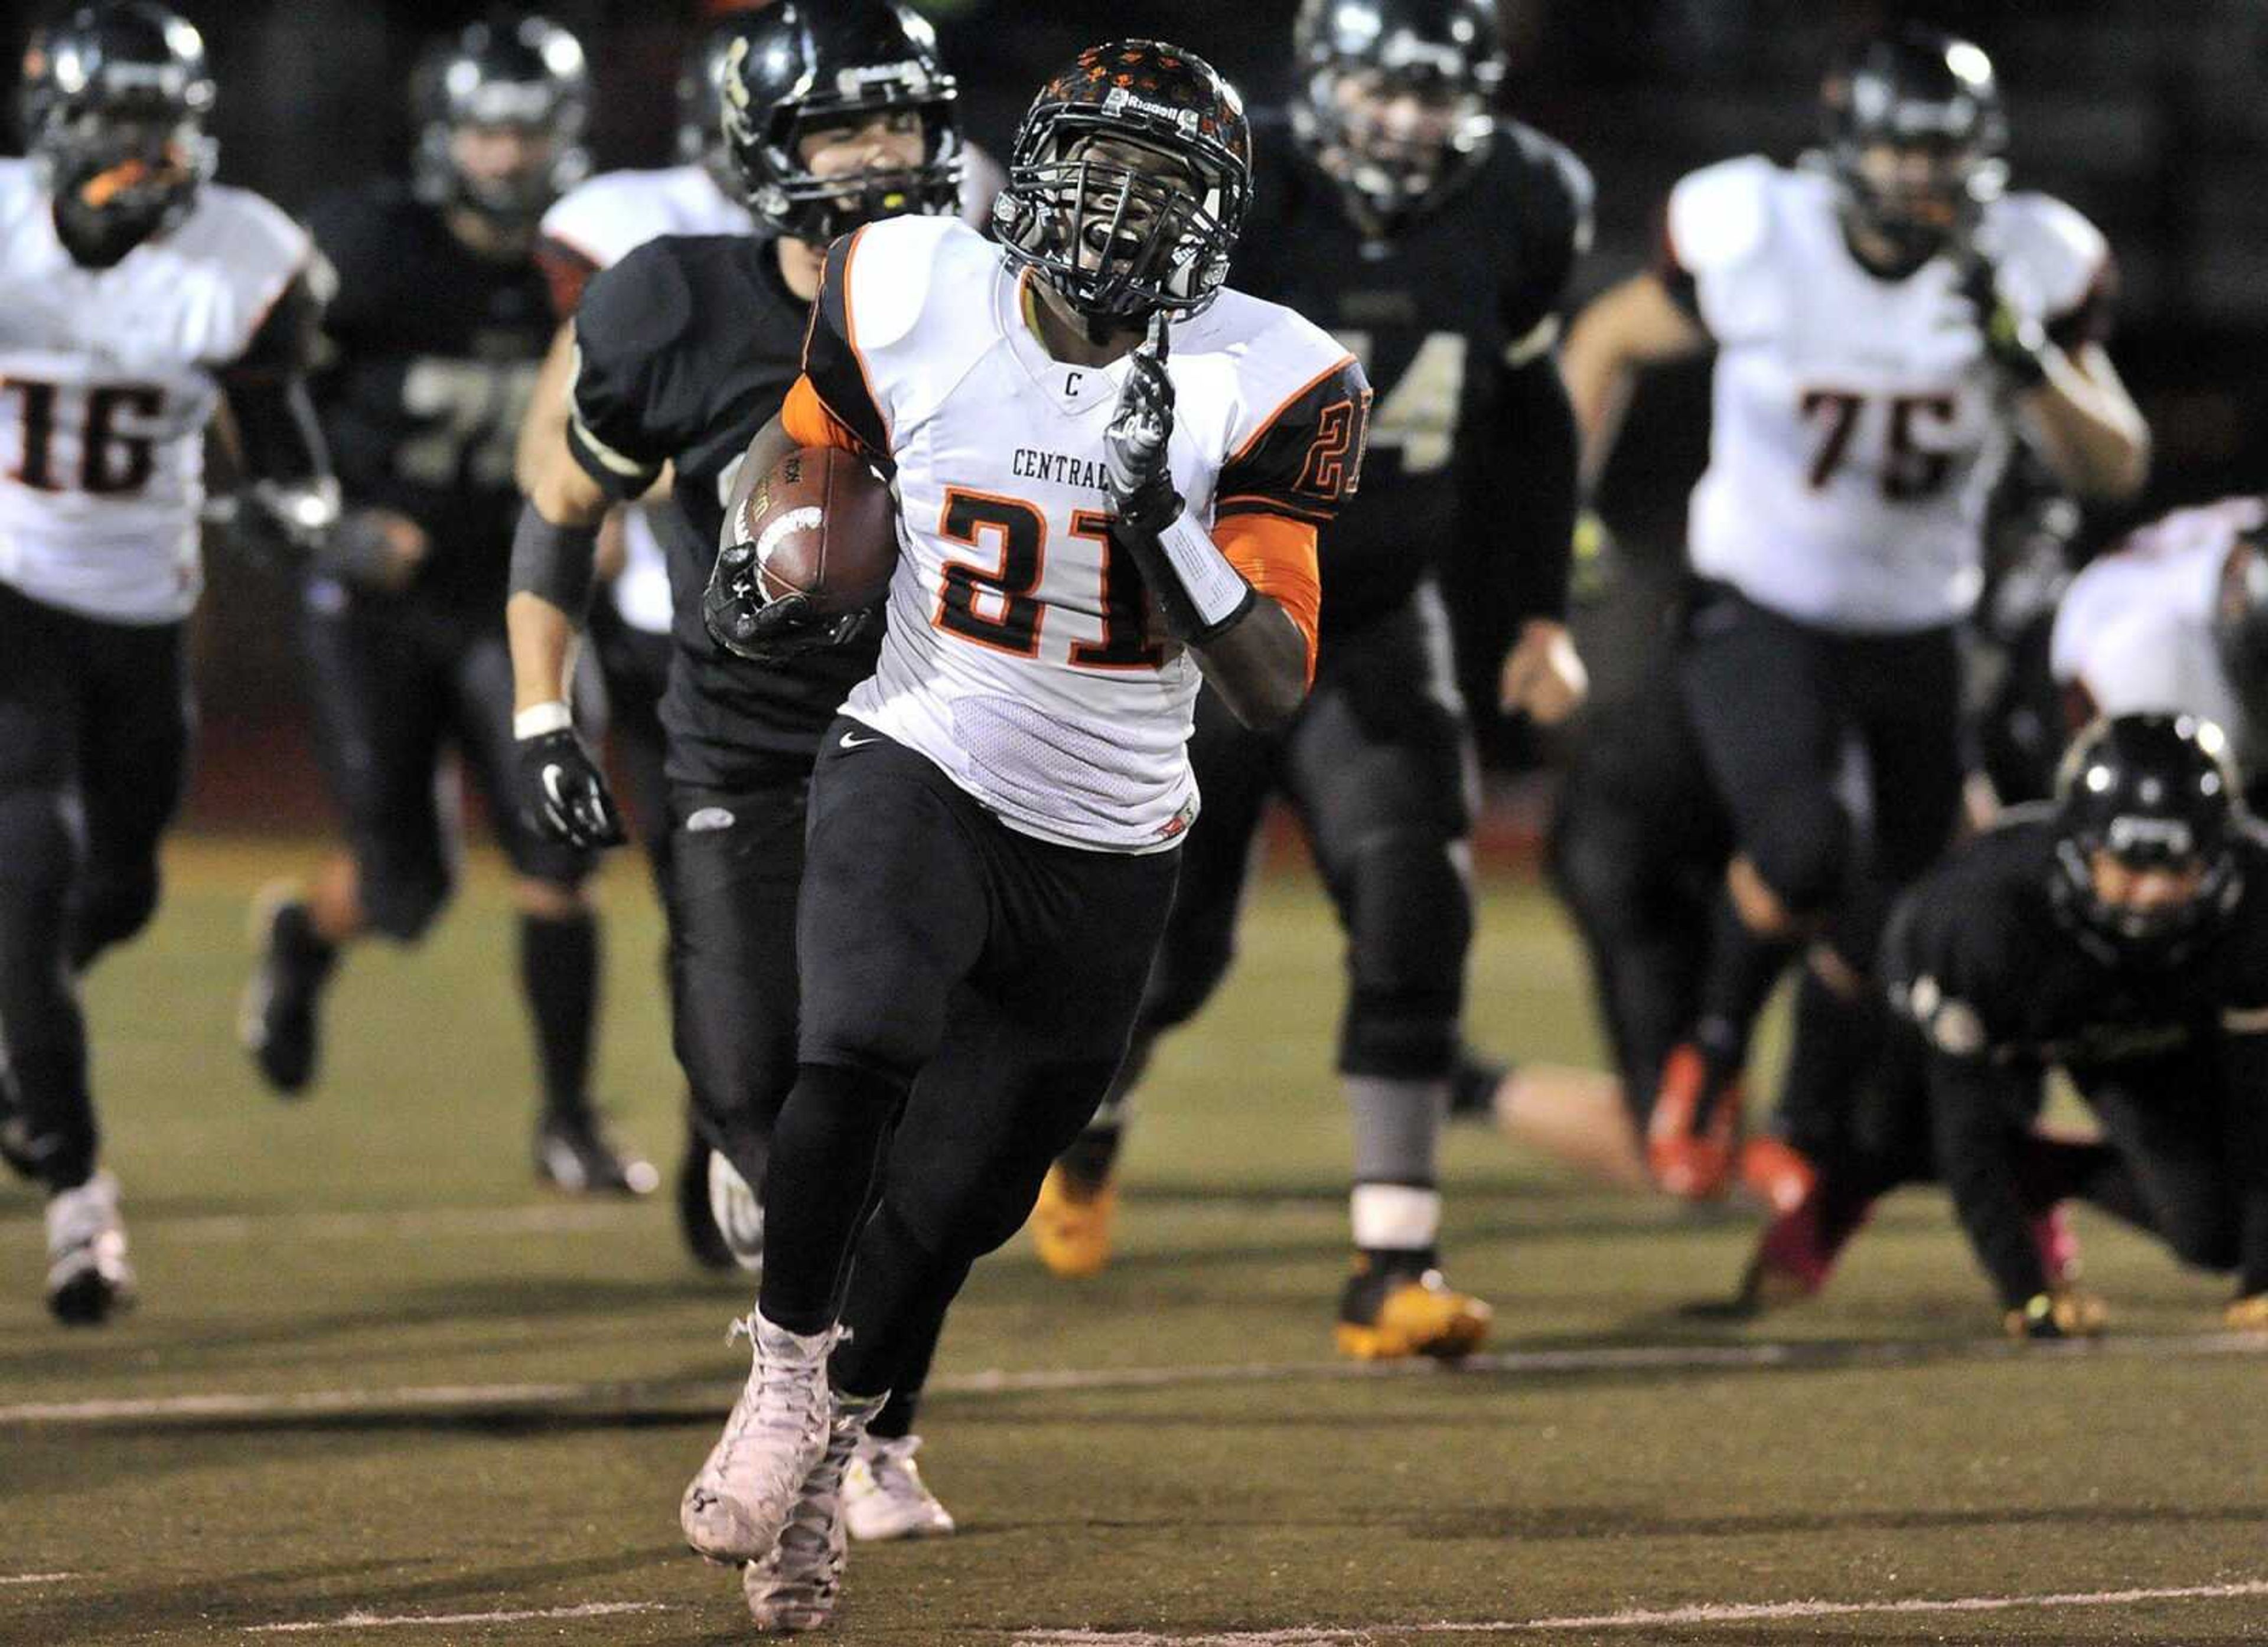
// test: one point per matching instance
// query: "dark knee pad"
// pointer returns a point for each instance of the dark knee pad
(402, 904)
(1409, 922)
(1802, 845)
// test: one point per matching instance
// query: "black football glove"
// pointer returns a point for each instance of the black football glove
(1134, 453)
(2014, 342)
(563, 794)
(744, 623)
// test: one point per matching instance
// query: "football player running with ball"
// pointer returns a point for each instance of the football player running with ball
(1111, 473)
(1435, 238)
(135, 296)
(835, 116)
(1887, 317)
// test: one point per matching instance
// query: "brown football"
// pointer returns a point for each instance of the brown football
(825, 526)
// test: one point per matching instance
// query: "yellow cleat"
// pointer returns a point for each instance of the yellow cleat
(1071, 1224)
(1388, 1314)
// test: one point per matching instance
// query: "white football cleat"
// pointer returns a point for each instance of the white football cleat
(739, 1213)
(885, 1497)
(793, 1587)
(88, 1277)
(777, 1430)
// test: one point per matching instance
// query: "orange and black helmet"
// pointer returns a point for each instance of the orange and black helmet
(1128, 182)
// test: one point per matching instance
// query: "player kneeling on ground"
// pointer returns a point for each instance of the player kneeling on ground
(2121, 935)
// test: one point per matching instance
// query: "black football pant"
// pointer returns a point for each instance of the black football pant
(1379, 770)
(1637, 852)
(94, 735)
(396, 681)
(1002, 970)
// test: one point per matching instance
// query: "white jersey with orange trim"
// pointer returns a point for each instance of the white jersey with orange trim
(2135, 628)
(1856, 423)
(1023, 655)
(600, 223)
(108, 379)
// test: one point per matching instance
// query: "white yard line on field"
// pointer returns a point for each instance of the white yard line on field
(700, 1397)
(431, 1621)
(35, 1578)
(1707, 1612)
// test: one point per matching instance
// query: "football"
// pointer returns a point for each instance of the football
(824, 525)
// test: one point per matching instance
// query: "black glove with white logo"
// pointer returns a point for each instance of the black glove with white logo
(563, 793)
(1134, 454)
(744, 623)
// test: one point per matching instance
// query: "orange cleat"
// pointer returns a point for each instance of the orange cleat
(1690, 1137)
(1071, 1224)
(1776, 1173)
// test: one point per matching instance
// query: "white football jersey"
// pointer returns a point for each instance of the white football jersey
(1856, 423)
(1022, 655)
(2135, 628)
(603, 221)
(108, 379)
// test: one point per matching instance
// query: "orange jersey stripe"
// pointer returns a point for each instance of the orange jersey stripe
(1277, 556)
(808, 422)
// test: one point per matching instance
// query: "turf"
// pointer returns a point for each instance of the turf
(463, 1397)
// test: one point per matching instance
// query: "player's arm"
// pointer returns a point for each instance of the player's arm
(1646, 321)
(2076, 411)
(1977, 1108)
(1533, 485)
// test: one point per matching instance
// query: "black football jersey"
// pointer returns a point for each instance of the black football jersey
(685, 349)
(1977, 958)
(1438, 316)
(430, 352)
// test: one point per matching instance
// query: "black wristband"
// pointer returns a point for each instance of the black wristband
(553, 563)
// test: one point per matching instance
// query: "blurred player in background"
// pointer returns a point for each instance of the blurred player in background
(2174, 619)
(833, 116)
(2114, 935)
(1887, 319)
(1435, 238)
(434, 333)
(590, 228)
(1111, 475)
(136, 296)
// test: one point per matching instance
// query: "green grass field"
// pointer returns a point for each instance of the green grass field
(382, 1388)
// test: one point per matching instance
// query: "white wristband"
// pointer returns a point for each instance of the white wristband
(539, 718)
(1216, 589)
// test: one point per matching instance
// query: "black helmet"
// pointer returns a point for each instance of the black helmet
(1120, 242)
(802, 64)
(2153, 792)
(114, 100)
(1449, 52)
(1914, 88)
(526, 72)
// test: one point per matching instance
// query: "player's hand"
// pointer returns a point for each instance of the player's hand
(1134, 447)
(1543, 677)
(2058, 1313)
(744, 623)
(564, 794)
(2014, 342)
(379, 549)
(2248, 1314)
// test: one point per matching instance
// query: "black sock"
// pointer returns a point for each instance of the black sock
(899, 1293)
(1743, 967)
(819, 1185)
(1831, 1055)
(559, 974)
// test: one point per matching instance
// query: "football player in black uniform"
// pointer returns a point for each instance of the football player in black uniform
(1396, 208)
(835, 116)
(2119, 934)
(139, 298)
(436, 330)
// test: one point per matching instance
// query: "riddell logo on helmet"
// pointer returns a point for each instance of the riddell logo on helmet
(1121, 99)
(910, 75)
